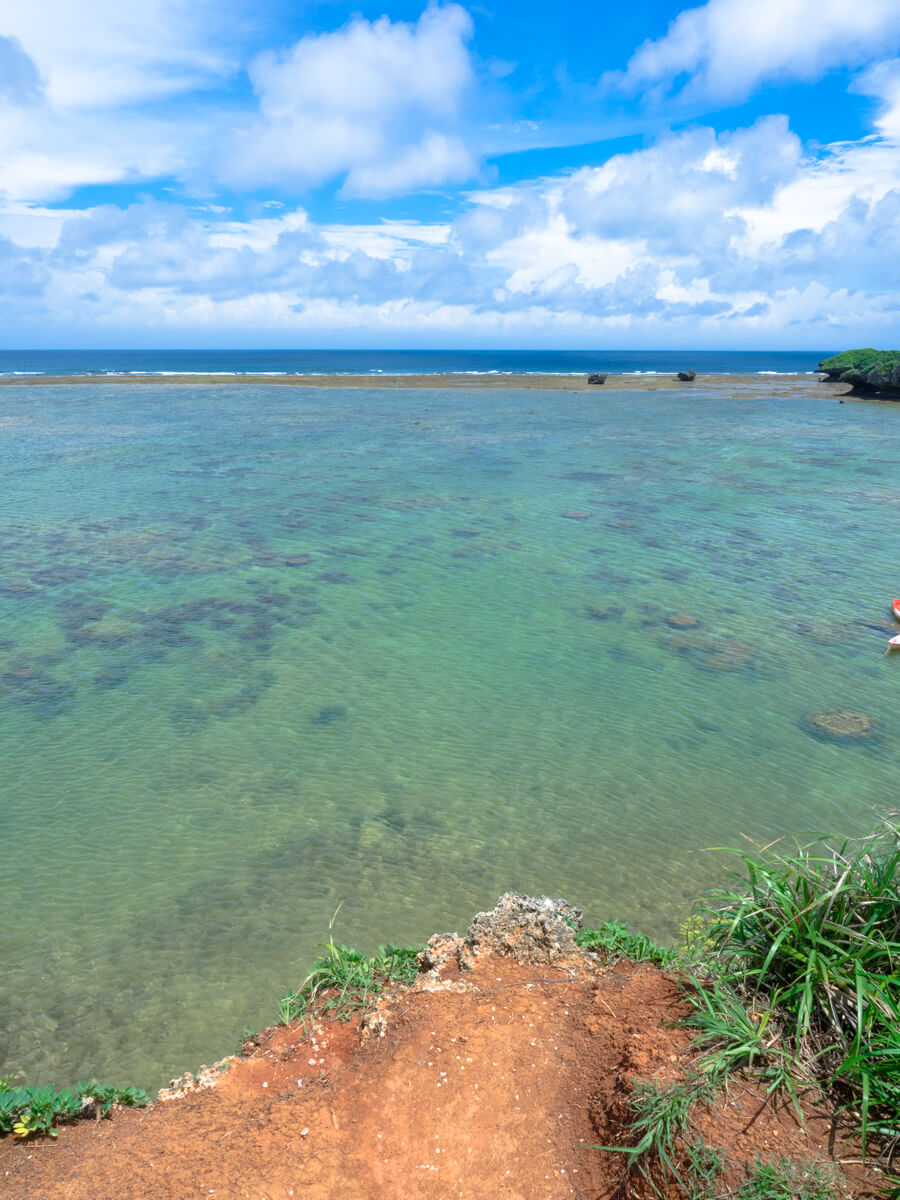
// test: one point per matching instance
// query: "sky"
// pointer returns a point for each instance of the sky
(268, 173)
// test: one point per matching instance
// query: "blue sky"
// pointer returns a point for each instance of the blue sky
(182, 172)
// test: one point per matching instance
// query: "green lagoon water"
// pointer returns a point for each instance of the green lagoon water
(270, 650)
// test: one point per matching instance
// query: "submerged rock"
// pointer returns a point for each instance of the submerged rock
(682, 621)
(840, 725)
(45, 693)
(613, 613)
(327, 716)
(731, 656)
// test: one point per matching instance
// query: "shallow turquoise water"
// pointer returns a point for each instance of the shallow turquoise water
(267, 651)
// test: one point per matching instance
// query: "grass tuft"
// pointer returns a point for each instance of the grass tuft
(660, 1119)
(809, 945)
(614, 940)
(781, 1179)
(344, 981)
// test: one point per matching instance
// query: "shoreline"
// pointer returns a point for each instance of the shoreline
(568, 383)
(545, 1040)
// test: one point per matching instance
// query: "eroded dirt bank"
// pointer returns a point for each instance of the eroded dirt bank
(493, 1076)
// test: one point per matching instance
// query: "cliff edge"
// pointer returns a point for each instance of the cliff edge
(501, 1071)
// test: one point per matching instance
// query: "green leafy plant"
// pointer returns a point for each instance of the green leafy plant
(613, 939)
(345, 981)
(29, 1110)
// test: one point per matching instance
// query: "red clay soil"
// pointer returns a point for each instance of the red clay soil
(496, 1091)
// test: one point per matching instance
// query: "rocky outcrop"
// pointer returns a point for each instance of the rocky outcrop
(687, 376)
(528, 929)
(869, 372)
(596, 378)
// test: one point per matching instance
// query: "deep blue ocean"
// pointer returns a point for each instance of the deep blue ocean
(404, 362)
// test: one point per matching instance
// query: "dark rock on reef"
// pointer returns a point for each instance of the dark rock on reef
(687, 376)
(19, 589)
(110, 678)
(327, 716)
(74, 616)
(596, 377)
(47, 695)
(613, 613)
(840, 725)
(869, 372)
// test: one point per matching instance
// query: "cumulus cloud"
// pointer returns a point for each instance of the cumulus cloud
(725, 48)
(682, 194)
(704, 234)
(376, 101)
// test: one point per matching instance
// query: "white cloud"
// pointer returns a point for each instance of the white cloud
(728, 47)
(81, 83)
(435, 161)
(20, 80)
(375, 101)
(46, 153)
(107, 52)
(883, 81)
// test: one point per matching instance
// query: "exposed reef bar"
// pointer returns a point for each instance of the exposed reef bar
(568, 383)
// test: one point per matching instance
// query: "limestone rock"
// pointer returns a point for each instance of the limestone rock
(527, 928)
(596, 377)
